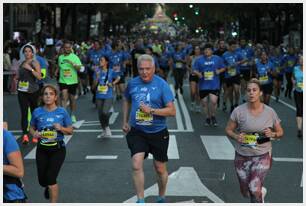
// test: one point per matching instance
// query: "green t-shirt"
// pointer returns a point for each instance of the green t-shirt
(68, 74)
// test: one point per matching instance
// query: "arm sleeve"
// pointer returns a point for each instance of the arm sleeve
(67, 119)
(9, 144)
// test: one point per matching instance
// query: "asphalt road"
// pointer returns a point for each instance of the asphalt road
(200, 159)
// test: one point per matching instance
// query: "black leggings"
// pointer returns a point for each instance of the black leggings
(178, 78)
(298, 98)
(289, 82)
(27, 100)
(49, 162)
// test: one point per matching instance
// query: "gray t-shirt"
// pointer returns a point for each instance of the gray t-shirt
(248, 123)
(27, 82)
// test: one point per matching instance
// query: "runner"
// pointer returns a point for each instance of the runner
(103, 82)
(208, 68)
(252, 125)
(297, 80)
(28, 89)
(277, 60)
(69, 64)
(50, 123)
(150, 99)
(290, 61)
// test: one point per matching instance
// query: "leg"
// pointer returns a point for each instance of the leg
(237, 93)
(23, 105)
(72, 103)
(138, 174)
(42, 166)
(205, 105)
(162, 176)
(243, 172)
(100, 104)
(213, 104)
(65, 97)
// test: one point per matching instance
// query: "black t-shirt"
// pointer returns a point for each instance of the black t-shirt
(220, 52)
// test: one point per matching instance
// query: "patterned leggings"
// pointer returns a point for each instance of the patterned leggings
(251, 172)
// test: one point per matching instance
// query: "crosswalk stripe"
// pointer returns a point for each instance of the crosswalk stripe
(185, 113)
(178, 116)
(32, 153)
(101, 157)
(172, 149)
(218, 147)
(113, 117)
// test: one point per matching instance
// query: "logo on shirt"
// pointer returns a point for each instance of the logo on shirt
(144, 89)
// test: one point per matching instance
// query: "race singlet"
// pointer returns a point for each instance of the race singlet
(67, 73)
(23, 86)
(209, 75)
(143, 118)
(232, 71)
(102, 89)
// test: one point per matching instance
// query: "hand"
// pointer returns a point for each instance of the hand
(57, 126)
(144, 108)
(27, 66)
(268, 132)
(240, 137)
(36, 134)
(126, 127)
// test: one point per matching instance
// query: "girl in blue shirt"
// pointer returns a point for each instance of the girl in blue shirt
(49, 124)
(103, 82)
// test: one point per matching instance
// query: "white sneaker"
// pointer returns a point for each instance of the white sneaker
(192, 106)
(263, 193)
(101, 135)
(108, 132)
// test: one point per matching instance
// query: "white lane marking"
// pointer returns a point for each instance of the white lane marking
(113, 117)
(172, 149)
(32, 153)
(113, 136)
(178, 115)
(91, 122)
(101, 157)
(185, 113)
(183, 182)
(78, 124)
(285, 159)
(218, 147)
(301, 181)
(284, 103)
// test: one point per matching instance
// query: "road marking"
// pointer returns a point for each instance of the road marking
(113, 136)
(178, 116)
(172, 149)
(185, 113)
(284, 103)
(113, 117)
(91, 122)
(183, 182)
(101, 157)
(284, 159)
(218, 147)
(78, 124)
(301, 181)
(32, 153)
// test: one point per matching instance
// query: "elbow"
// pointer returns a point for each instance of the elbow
(173, 113)
(20, 173)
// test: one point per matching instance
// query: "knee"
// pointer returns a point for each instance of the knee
(137, 166)
(160, 169)
(255, 188)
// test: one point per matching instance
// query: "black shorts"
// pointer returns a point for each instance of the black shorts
(154, 143)
(245, 74)
(279, 77)
(71, 88)
(232, 80)
(165, 69)
(205, 93)
(193, 78)
(267, 88)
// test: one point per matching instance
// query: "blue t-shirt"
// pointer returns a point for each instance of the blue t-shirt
(230, 60)
(95, 55)
(164, 59)
(12, 192)
(178, 57)
(43, 66)
(43, 121)
(298, 76)
(291, 61)
(278, 63)
(156, 94)
(104, 91)
(116, 60)
(264, 71)
(246, 53)
(208, 67)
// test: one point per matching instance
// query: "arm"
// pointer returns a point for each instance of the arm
(65, 130)
(15, 168)
(169, 110)
(276, 134)
(126, 108)
(230, 127)
(116, 80)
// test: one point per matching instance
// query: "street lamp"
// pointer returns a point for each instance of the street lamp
(190, 6)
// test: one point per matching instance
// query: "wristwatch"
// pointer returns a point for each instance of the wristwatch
(32, 70)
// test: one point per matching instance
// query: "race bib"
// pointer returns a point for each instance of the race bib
(67, 73)
(250, 140)
(143, 118)
(48, 136)
(209, 75)
(290, 63)
(232, 71)
(278, 69)
(263, 79)
(23, 86)
(300, 85)
(102, 89)
(179, 65)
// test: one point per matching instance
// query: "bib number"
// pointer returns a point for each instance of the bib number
(232, 71)
(102, 89)
(290, 63)
(23, 86)
(263, 79)
(300, 85)
(179, 65)
(48, 136)
(250, 140)
(209, 75)
(67, 73)
(143, 118)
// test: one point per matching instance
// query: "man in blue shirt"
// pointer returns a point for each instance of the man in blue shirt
(148, 101)
(208, 68)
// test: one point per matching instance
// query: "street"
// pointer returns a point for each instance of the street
(200, 166)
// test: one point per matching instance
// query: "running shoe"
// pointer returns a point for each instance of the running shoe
(108, 132)
(140, 201)
(207, 122)
(46, 193)
(73, 119)
(102, 134)
(161, 200)
(192, 106)
(181, 90)
(34, 140)
(25, 139)
(300, 134)
(214, 121)
(263, 193)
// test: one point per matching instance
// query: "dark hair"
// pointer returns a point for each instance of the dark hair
(231, 42)
(52, 87)
(105, 57)
(208, 46)
(28, 46)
